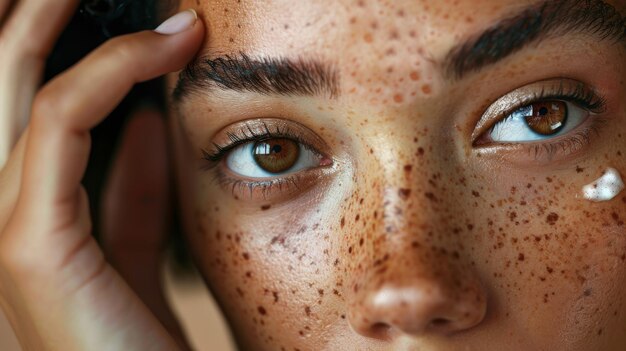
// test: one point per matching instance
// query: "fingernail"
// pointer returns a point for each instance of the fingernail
(180, 22)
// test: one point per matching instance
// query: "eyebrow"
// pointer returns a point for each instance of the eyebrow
(310, 77)
(263, 75)
(553, 18)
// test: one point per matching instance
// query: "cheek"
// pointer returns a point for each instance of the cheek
(553, 260)
(271, 268)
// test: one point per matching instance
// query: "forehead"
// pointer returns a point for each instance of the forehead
(371, 42)
(380, 48)
(322, 27)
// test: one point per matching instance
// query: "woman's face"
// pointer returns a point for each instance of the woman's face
(407, 175)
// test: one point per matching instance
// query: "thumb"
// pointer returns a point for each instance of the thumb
(135, 213)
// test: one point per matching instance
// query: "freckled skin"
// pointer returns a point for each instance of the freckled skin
(417, 240)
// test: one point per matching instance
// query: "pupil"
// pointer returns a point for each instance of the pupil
(543, 111)
(276, 148)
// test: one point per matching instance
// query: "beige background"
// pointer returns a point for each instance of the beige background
(193, 304)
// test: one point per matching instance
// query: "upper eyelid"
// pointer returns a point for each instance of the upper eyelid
(245, 134)
(503, 107)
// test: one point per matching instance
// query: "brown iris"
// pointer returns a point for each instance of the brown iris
(548, 117)
(276, 155)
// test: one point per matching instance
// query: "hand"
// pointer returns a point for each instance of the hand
(56, 286)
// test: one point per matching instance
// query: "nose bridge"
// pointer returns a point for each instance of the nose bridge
(413, 277)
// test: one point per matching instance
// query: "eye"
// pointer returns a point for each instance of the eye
(542, 122)
(538, 121)
(270, 158)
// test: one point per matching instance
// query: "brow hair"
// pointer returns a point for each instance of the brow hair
(261, 75)
(545, 19)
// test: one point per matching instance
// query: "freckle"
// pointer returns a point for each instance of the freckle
(398, 98)
(520, 257)
(231, 40)
(368, 38)
(265, 207)
(350, 249)
(408, 168)
(579, 169)
(275, 294)
(426, 89)
(548, 179)
(431, 196)
(420, 151)
(246, 256)
(404, 193)
(352, 20)
(415, 76)
(552, 218)
(475, 193)
(343, 221)
(361, 241)
(262, 310)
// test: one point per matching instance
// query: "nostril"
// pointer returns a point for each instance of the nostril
(380, 329)
(439, 322)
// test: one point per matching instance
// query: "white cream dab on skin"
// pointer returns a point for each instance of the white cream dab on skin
(604, 188)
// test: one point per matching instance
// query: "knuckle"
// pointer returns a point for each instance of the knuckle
(122, 49)
(45, 103)
(15, 258)
(20, 254)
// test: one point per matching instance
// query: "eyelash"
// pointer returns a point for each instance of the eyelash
(580, 95)
(246, 135)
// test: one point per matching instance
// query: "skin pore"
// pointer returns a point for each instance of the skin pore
(413, 226)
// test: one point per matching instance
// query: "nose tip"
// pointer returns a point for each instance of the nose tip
(417, 311)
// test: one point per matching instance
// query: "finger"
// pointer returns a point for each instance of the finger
(34, 25)
(26, 39)
(18, 83)
(68, 107)
(134, 213)
(10, 179)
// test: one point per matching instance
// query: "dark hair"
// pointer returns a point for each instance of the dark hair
(123, 16)
(94, 22)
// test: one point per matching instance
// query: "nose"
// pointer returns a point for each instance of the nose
(426, 306)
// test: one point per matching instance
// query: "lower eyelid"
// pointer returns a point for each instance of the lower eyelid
(559, 149)
(275, 189)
